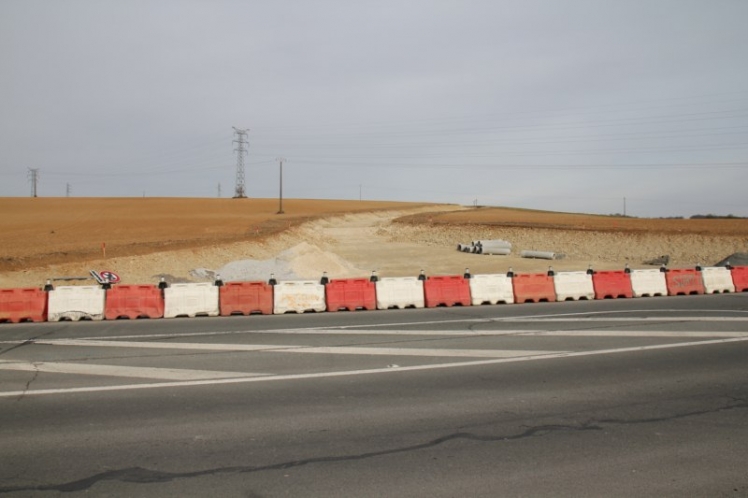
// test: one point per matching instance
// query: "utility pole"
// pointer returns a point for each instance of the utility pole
(241, 140)
(219, 190)
(624, 207)
(360, 193)
(67, 190)
(33, 176)
(280, 196)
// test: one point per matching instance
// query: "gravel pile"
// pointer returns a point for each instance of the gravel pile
(303, 261)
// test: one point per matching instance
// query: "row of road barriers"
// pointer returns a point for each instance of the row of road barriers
(75, 303)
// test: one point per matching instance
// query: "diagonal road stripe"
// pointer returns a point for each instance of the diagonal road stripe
(456, 353)
(351, 350)
(121, 371)
(161, 345)
(273, 378)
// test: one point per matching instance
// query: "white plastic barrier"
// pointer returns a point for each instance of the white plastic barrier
(648, 283)
(76, 303)
(400, 292)
(573, 286)
(491, 289)
(298, 296)
(717, 279)
(191, 300)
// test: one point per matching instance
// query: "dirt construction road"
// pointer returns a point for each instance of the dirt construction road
(351, 240)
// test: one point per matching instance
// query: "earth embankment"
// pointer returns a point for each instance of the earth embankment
(194, 239)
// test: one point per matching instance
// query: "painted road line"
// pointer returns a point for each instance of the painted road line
(160, 345)
(112, 342)
(566, 317)
(579, 318)
(499, 333)
(120, 371)
(399, 370)
(475, 353)
(455, 353)
(633, 333)
(649, 319)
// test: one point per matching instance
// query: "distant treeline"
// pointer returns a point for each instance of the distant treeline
(707, 217)
(716, 217)
(694, 217)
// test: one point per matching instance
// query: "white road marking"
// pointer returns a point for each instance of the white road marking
(364, 329)
(499, 333)
(457, 353)
(120, 371)
(364, 372)
(161, 345)
(112, 341)
(627, 333)
(580, 318)
(475, 353)
(628, 319)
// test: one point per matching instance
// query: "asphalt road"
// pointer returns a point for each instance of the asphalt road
(639, 397)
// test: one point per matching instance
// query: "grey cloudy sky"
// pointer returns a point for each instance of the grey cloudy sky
(565, 105)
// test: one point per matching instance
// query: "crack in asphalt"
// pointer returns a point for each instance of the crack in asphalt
(145, 476)
(30, 342)
(141, 475)
(28, 384)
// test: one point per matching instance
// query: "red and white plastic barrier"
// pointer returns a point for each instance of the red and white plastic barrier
(76, 303)
(299, 296)
(717, 279)
(190, 300)
(574, 286)
(491, 289)
(648, 283)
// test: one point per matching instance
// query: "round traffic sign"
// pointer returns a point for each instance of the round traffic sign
(110, 276)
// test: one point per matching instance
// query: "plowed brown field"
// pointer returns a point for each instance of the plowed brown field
(525, 218)
(42, 231)
(148, 237)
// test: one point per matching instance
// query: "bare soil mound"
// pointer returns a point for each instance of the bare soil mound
(599, 240)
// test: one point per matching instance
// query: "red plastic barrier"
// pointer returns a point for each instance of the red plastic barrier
(351, 294)
(246, 298)
(134, 301)
(740, 278)
(533, 288)
(446, 291)
(23, 305)
(612, 285)
(684, 282)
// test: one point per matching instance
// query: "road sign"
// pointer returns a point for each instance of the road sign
(110, 276)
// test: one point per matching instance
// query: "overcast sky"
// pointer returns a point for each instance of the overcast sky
(565, 105)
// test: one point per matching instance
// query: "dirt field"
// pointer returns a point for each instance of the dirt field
(525, 218)
(150, 238)
(42, 231)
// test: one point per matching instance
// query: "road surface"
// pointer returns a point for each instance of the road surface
(638, 397)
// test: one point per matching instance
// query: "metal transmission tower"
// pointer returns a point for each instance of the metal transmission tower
(241, 140)
(68, 189)
(34, 179)
(280, 196)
